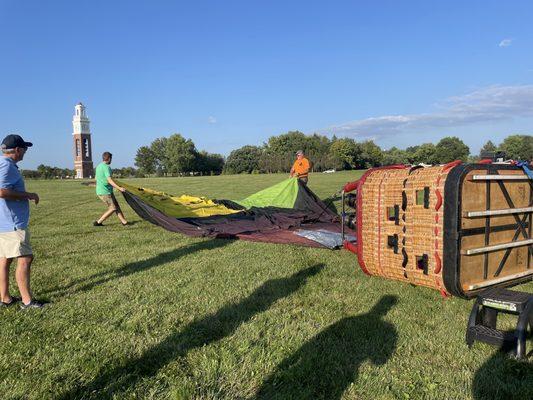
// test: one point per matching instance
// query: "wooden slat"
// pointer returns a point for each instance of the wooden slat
(499, 280)
(505, 211)
(517, 177)
(496, 247)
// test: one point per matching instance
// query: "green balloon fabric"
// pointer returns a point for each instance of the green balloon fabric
(281, 195)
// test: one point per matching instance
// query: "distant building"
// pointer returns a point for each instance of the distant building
(81, 133)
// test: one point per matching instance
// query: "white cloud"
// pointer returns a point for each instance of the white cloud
(505, 43)
(212, 120)
(493, 103)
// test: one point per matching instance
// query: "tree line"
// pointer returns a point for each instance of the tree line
(48, 172)
(176, 155)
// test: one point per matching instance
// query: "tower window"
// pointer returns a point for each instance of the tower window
(78, 147)
(86, 147)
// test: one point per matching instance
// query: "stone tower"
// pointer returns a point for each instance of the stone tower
(81, 133)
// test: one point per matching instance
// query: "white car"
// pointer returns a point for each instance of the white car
(329, 171)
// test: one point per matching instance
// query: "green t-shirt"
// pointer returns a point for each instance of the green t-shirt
(103, 171)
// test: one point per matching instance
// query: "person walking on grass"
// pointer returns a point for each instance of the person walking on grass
(300, 168)
(104, 190)
(14, 219)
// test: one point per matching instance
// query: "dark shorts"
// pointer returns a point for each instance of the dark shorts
(111, 202)
(303, 180)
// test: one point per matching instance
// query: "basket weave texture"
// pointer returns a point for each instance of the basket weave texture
(402, 238)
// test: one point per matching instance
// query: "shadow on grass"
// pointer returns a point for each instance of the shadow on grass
(199, 333)
(89, 282)
(326, 365)
(503, 378)
(134, 222)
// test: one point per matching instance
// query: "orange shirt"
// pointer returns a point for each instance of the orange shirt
(301, 167)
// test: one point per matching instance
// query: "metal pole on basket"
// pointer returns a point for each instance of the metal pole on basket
(343, 216)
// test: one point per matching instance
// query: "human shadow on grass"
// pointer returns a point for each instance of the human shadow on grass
(131, 223)
(501, 377)
(202, 332)
(89, 282)
(328, 363)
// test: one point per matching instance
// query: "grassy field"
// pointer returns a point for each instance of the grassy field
(141, 313)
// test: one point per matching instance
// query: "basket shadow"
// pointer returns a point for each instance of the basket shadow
(501, 377)
(211, 328)
(326, 365)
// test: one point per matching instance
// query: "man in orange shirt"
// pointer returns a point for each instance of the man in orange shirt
(300, 168)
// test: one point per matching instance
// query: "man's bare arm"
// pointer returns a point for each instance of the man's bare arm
(112, 183)
(9, 194)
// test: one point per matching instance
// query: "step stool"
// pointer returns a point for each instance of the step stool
(484, 315)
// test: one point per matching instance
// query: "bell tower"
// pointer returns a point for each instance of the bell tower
(81, 133)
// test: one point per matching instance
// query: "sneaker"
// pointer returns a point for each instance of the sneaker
(96, 223)
(31, 304)
(13, 301)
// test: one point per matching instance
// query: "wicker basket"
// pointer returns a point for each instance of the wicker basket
(437, 226)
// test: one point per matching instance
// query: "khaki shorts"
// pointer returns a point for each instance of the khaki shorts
(111, 202)
(15, 244)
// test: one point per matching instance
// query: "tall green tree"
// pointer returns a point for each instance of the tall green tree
(518, 147)
(45, 171)
(370, 155)
(425, 153)
(180, 154)
(216, 163)
(316, 150)
(159, 148)
(279, 151)
(451, 149)
(410, 153)
(395, 156)
(271, 162)
(343, 153)
(243, 160)
(287, 143)
(208, 163)
(489, 146)
(146, 160)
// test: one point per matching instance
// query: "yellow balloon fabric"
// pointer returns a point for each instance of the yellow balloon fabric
(179, 207)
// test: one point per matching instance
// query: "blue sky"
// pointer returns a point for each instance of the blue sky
(227, 74)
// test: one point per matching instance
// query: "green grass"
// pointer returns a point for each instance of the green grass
(143, 313)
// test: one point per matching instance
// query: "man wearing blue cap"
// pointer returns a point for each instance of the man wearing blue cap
(14, 219)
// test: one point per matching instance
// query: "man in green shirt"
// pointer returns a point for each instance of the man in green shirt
(104, 190)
